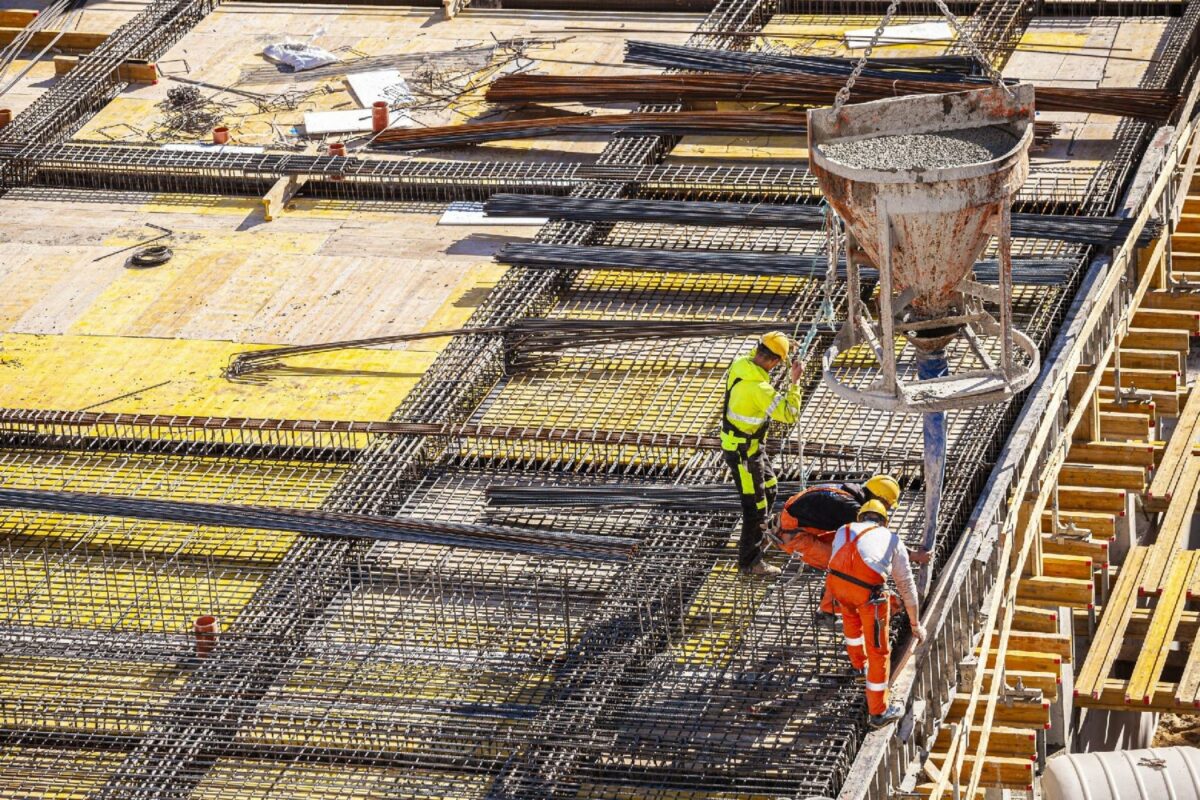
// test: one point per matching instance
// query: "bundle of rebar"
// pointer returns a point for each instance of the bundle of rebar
(735, 123)
(704, 59)
(684, 123)
(326, 523)
(1101, 231)
(1043, 272)
(802, 87)
(522, 338)
(709, 498)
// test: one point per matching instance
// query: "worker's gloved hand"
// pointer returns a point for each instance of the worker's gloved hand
(797, 371)
(919, 633)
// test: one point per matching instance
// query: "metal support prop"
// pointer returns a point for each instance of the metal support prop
(932, 364)
(1004, 242)
(887, 320)
(853, 289)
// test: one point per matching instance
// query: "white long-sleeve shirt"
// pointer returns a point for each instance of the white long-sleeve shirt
(882, 551)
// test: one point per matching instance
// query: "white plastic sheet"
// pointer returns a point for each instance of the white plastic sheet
(299, 56)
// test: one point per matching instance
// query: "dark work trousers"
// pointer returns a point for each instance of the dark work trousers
(755, 482)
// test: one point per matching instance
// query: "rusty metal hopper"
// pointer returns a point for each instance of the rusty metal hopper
(940, 219)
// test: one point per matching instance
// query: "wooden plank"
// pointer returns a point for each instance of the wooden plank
(1062, 546)
(1188, 223)
(1166, 318)
(143, 72)
(1173, 301)
(70, 40)
(1026, 660)
(1100, 524)
(1030, 641)
(1150, 339)
(1193, 590)
(1111, 696)
(1154, 379)
(1115, 453)
(1188, 691)
(1170, 360)
(1185, 242)
(1015, 715)
(1147, 671)
(1065, 566)
(16, 17)
(1170, 469)
(1092, 498)
(1126, 425)
(276, 199)
(1042, 590)
(1030, 618)
(64, 64)
(1106, 402)
(1131, 479)
(1020, 742)
(1106, 643)
(1047, 682)
(1001, 771)
(1174, 530)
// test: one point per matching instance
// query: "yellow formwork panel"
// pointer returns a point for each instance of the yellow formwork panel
(427, 624)
(159, 301)
(84, 695)
(44, 589)
(265, 780)
(162, 477)
(43, 773)
(778, 147)
(168, 477)
(143, 537)
(177, 376)
(717, 618)
(822, 35)
(599, 280)
(650, 400)
(317, 680)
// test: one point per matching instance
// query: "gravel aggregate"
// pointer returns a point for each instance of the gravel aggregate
(923, 150)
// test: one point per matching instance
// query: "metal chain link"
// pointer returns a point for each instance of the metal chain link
(992, 73)
(844, 93)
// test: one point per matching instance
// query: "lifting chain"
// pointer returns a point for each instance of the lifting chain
(844, 93)
(986, 63)
(992, 73)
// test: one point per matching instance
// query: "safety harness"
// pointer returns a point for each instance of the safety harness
(876, 589)
(744, 439)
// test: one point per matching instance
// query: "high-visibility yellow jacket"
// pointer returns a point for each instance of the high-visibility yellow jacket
(751, 402)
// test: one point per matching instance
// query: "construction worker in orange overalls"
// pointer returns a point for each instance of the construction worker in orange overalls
(863, 554)
(810, 519)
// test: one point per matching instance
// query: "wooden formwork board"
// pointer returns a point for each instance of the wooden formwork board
(1136, 652)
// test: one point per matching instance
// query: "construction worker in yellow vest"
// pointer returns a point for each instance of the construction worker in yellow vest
(751, 402)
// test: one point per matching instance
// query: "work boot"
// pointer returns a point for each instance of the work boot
(859, 674)
(827, 621)
(893, 713)
(761, 569)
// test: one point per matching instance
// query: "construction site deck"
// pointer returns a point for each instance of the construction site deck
(234, 576)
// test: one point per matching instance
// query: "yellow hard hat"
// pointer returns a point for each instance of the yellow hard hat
(776, 342)
(873, 507)
(885, 488)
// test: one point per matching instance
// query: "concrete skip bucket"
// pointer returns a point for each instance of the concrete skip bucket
(921, 183)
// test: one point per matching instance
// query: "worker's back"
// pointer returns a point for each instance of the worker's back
(870, 543)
